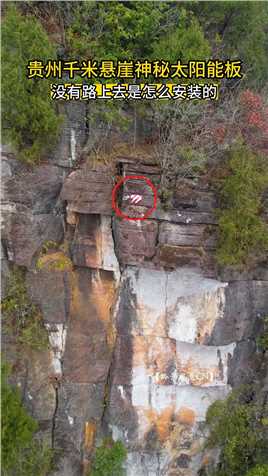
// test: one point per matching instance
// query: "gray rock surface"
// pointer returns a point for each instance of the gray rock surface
(89, 191)
(29, 212)
(73, 134)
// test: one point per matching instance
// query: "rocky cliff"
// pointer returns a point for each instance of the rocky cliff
(145, 332)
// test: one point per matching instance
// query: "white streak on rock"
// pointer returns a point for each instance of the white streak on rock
(73, 146)
(109, 259)
(121, 390)
(57, 339)
(70, 420)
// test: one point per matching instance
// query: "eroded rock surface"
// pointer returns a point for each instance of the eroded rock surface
(30, 212)
(163, 372)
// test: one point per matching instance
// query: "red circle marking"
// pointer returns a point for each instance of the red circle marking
(117, 210)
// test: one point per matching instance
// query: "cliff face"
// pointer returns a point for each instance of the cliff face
(144, 332)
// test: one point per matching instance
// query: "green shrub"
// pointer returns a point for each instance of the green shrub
(135, 30)
(236, 427)
(186, 40)
(49, 245)
(30, 123)
(260, 470)
(21, 318)
(243, 233)
(109, 459)
(21, 454)
(236, 32)
(262, 340)
(54, 261)
(112, 30)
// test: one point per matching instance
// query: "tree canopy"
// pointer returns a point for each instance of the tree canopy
(29, 120)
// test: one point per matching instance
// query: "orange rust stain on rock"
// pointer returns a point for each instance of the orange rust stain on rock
(86, 466)
(160, 327)
(94, 258)
(205, 330)
(196, 374)
(203, 376)
(161, 422)
(140, 349)
(206, 460)
(149, 329)
(155, 355)
(89, 436)
(103, 296)
(205, 326)
(103, 292)
(97, 299)
(77, 296)
(186, 416)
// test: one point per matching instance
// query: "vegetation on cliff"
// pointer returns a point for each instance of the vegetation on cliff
(238, 426)
(56, 261)
(259, 470)
(120, 30)
(243, 233)
(21, 318)
(29, 121)
(262, 340)
(22, 453)
(109, 459)
(236, 30)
